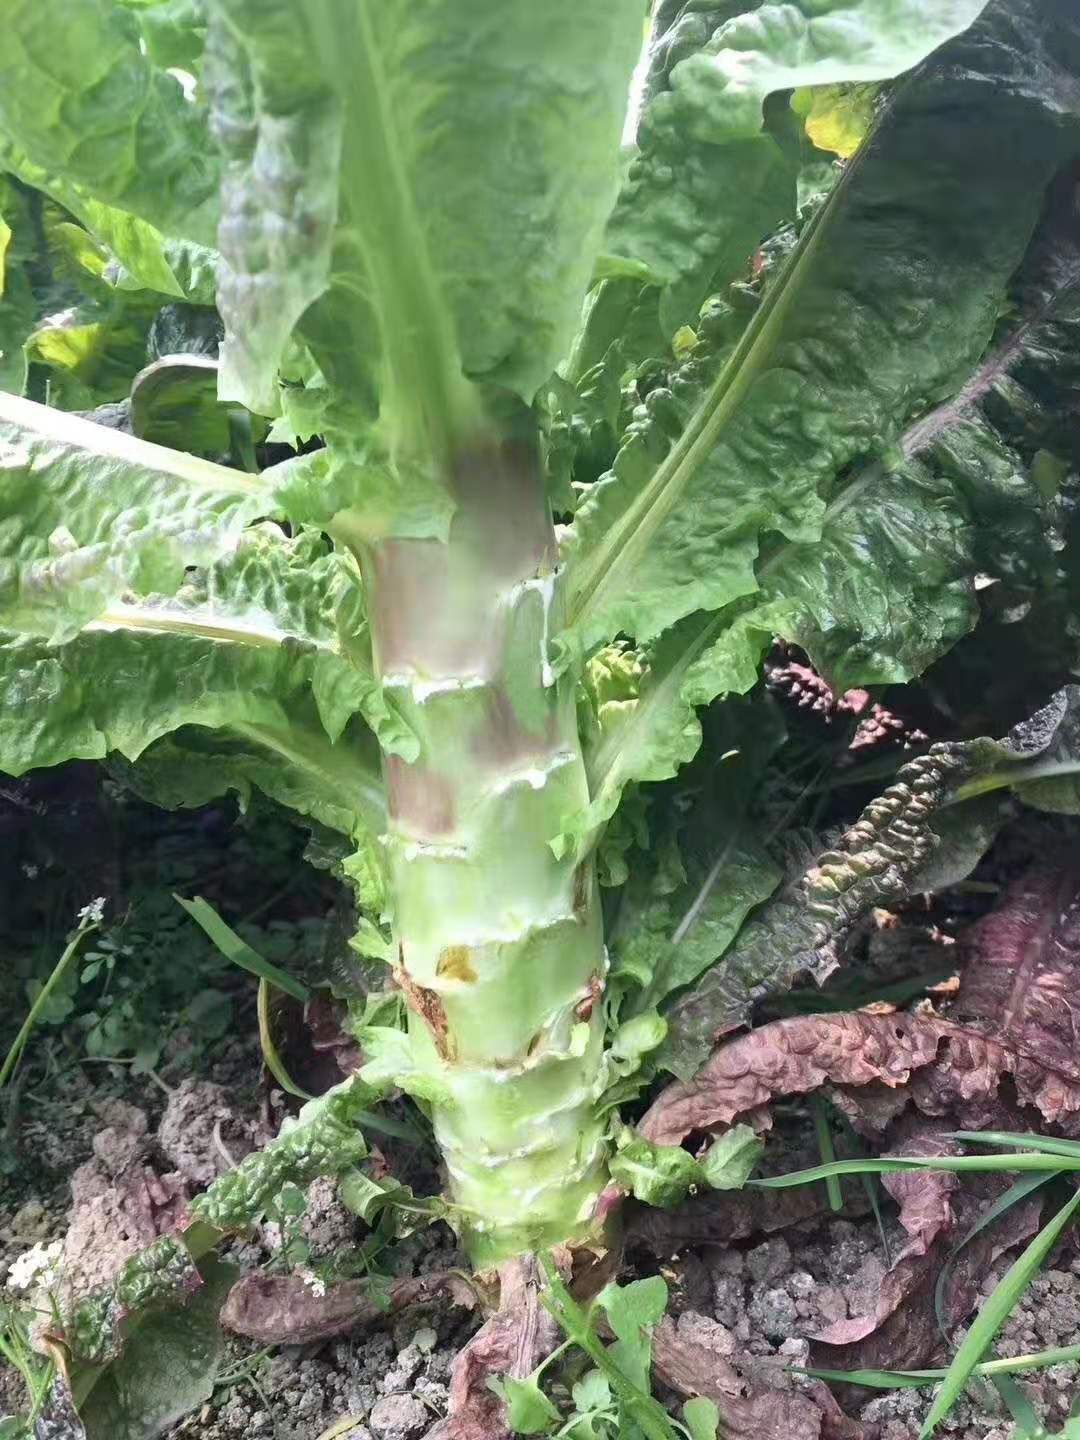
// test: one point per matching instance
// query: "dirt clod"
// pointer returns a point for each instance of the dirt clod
(399, 1417)
(201, 1132)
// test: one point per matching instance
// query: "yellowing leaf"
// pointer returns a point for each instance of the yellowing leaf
(838, 117)
(5, 241)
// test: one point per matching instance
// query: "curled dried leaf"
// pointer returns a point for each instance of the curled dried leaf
(690, 1354)
(791, 1057)
(1014, 1015)
(288, 1310)
(512, 1342)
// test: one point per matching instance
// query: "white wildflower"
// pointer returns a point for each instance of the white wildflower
(315, 1283)
(94, 913)
(38, 1267)
(30, 871)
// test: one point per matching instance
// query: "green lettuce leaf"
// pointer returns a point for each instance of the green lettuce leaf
(338, 786)
(466, 159)
(174, 32)
(17, 305)
(109, 547)
(710, 180)
(476, 149)
(639, 719)
(80, 99)
(238, 722)
(711, 866)
(268, 645)
(663, 1174)
(969, 489)
(882, 309)
(88, 513)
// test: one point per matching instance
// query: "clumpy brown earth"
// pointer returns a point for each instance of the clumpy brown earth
(761, 1284)
(741, 1313)
(758, 1306)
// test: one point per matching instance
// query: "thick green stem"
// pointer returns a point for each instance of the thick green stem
(500, 945)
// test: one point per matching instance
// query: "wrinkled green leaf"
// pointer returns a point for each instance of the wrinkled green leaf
(962, 492)
(87, 513)
(662, 1175)
(475, 155)
(655, 1174)
(79, 98)
(389, 1201)
(324, 1139)
(803, 929)
(710, 180)
(883, 307)
(168, 1367)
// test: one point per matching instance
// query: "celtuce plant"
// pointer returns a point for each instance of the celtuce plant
(422, 255)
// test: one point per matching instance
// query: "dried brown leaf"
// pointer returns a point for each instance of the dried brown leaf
(688, 1357)
(791, 1057)
(715, 1218)
(286, 1310)
(1014, 1015)
(926, 1213)
(513, 1341)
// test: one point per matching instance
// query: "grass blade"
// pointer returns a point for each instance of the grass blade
(1028, 1424)
(993, 1314)
(1048, 1145)
(1017, 1191)
(892, 1165)
(270, 1053)
(917, 1379)
(828, 1154)
(87, 923)
(239, 951)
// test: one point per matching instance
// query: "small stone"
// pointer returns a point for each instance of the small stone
(404, 1369)
(124, 1139)
(399, 1417)
(728, 1300)
(434, 1394)
(769, 1261)
(775, 1312)
(831, 1303)
(30, 1222)
(358, 1432)
(725, 1262)
(800, 1284)
(796, 1351)
(425, 1340)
